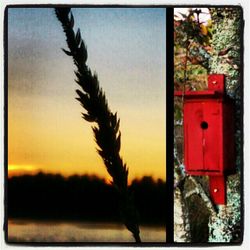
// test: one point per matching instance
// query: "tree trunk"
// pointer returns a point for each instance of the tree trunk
(224, 226)
(181, 218)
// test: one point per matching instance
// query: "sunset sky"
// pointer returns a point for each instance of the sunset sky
(127, 49)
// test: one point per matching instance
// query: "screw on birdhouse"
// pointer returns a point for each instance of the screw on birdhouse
(215, 190)
(214, 82)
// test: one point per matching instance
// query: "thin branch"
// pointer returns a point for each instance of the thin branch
(191, 192)
(203, 195)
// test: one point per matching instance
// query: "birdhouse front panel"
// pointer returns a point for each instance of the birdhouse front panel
(203, 138)
(209, 147)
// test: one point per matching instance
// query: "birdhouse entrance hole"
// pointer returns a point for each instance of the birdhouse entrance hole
(204, 125)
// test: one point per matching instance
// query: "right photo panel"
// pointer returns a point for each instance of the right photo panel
(208, 130)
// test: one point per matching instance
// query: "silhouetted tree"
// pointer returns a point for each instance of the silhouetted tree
(49, 196)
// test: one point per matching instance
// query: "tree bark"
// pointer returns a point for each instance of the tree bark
(181, 218)
(224, 226)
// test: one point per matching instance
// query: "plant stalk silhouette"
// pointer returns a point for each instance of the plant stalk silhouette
(106, 128)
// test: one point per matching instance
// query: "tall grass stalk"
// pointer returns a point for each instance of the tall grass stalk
(106, 124)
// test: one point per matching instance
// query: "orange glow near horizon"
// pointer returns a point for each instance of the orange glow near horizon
(70, 148)
(15, 170)
(19, 170)
(66, 146)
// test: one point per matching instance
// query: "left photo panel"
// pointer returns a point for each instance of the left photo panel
(85, 95)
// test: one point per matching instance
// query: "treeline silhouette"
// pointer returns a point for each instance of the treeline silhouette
(82, 197)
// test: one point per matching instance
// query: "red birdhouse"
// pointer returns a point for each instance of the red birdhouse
(209, 135)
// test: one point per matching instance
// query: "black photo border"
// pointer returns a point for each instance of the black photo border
(169, 128)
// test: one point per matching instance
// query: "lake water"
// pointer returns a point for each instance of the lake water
(48, 231)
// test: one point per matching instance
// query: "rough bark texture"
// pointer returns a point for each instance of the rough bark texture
(225, 225)
(181, 218)
(182, 231)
